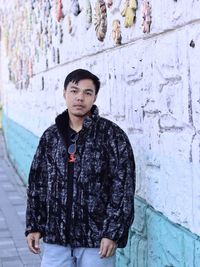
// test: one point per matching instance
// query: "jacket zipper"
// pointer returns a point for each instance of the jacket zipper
(69, 200)
(69, 194)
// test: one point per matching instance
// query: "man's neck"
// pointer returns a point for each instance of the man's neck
(75, 122)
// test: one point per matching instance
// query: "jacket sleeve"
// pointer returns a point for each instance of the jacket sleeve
(36, 191)
(120, 208)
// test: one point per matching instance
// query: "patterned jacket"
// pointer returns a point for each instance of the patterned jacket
(98, 201)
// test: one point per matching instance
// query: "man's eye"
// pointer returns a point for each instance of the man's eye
(88, 93)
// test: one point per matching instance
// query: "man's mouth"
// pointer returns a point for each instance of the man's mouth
(78, 106)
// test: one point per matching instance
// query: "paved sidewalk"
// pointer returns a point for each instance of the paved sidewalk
(13, 247)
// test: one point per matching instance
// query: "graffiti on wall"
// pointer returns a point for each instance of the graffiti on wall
(39, 28)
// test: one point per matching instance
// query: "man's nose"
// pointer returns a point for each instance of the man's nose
(80, 96)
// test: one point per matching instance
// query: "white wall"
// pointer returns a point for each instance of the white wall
(150, 87)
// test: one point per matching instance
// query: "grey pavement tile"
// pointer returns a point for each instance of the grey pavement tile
(17, 235)
(3, 224)
(1, 213)
(23, 251)
(6, 242)
(23, 224)
(21, 215)
(15, 198)
(21, 208)
(3, 177)
(14, 263)
(12, 219)
(14, 258)
(4, 233)
(20, 242)
(8, 173)
(19, 239)
(8, 187)
(32, 265)
(4, 164)
(2, 217)
(29, 259)
(8, 252)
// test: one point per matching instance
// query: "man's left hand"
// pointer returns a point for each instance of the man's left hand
(107, 248)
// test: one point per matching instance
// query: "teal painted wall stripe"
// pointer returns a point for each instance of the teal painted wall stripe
(21, 145)
(154, 241)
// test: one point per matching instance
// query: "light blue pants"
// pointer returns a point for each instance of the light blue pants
(60, 256)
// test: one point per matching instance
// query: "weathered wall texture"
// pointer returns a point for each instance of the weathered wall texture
(150, 87)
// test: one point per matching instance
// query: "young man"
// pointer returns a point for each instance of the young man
(81, 183)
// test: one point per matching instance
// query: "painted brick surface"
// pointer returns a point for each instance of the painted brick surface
(155, 241)
(150, 86)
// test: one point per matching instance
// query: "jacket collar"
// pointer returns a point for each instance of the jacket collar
(62, 121)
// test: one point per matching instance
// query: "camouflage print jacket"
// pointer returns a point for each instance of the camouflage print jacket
(98, 201)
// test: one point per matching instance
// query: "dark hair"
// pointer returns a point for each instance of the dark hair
(81, 74)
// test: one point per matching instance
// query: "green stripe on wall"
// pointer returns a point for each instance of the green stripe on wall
(154, 241)
(21, 145)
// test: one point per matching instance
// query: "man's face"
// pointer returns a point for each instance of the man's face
(80, 97)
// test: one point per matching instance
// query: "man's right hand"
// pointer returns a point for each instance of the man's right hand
(33, 242)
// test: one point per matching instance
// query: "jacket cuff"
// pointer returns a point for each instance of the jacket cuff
(111, 236)
(34, 230)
